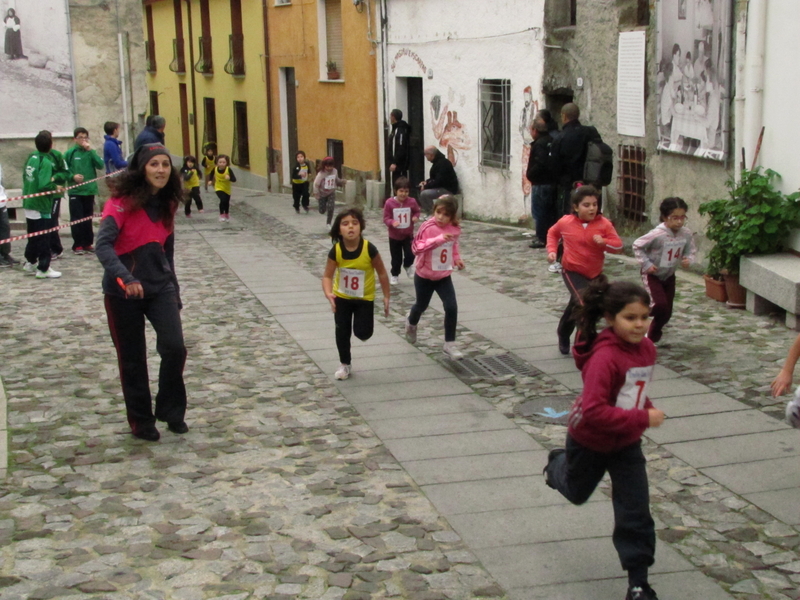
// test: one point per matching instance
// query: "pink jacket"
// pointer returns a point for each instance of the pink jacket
(427, 245)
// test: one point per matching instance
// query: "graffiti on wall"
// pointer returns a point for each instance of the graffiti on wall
(529, 109)
(412, 55)
(448, 130)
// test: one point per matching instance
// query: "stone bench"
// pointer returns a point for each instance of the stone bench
(772, 280)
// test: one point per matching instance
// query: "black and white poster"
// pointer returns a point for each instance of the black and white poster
(36, 83)
(693, 49)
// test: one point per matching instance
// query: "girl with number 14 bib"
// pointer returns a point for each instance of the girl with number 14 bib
(436, 249)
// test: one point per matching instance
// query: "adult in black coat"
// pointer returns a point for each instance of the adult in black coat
(153, 132)
(543, 180)
(441, 180)
(398, 145)
(569, 152)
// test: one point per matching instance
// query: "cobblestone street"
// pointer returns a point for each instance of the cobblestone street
(289, 485)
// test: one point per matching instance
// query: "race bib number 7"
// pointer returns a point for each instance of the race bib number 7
(442, 257)
(351, 282)
(403, 217)
(634, 391)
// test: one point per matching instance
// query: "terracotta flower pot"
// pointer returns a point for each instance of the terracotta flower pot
(715, 289)
(737, 294)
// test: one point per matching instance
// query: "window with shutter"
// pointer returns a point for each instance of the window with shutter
(334, 43)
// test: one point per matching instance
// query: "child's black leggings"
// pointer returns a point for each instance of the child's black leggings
(402, 256)
(224, 202)
(443, 287)
(352, 316)
(194, 194)
(576, 474)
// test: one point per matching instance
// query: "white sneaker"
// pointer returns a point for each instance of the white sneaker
(49, 274)
(343, 372)
(452, 351)
(410, 271)
(411, 333)
(29, 267)
(394, 280)
(555, 268)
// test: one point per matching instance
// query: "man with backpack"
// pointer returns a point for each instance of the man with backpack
(578, 156)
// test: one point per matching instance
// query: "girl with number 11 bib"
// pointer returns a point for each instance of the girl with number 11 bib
(349, 284)
(436, 249)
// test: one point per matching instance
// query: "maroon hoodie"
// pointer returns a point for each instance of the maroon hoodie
(611, 412)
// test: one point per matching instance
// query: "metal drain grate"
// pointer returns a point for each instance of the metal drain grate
(492, 367)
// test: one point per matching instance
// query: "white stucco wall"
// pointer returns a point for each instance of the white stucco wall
(459, 45)
(781, 91)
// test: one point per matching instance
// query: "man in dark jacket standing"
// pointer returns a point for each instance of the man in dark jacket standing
(398, 145)
(542, 178)
(569, 152)
(153, 133)
(442, 179)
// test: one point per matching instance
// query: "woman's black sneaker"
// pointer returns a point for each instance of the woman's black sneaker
(641, 592)
(178, 427)
(147, 432)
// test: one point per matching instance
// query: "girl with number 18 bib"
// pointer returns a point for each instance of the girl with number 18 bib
(349, 284)
(606, 422)
(436, 249)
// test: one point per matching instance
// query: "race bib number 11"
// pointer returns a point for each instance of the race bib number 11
(403, 217)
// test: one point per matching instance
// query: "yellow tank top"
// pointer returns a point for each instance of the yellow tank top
(220, 183)
(354, 279)
(208, 165)
(193, 181)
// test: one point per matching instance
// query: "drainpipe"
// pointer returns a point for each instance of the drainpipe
(754, 67)
(268, 75)
(122, 84)
(738, 123)
(383, 14)
(197, 151)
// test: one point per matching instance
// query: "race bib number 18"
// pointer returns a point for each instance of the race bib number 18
(442, 257)
(351, 282)
(634, 391)
(403, 217)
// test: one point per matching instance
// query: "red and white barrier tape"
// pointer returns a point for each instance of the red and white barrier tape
(66, 189)
(51, 230)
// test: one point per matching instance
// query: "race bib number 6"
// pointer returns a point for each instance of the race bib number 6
(634, 391)
(403, 217)
(442, 257)
(351, 282)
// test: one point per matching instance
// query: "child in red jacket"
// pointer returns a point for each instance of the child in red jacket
(608, 419)
(587, 236)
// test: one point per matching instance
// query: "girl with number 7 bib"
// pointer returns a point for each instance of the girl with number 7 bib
(606, 422)
(436, 249)
(659, 252)
(349, 284)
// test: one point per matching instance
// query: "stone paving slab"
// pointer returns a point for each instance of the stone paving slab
(362, 350)
(701, 404)
(376, 363)
(422, 407)
(470, 468)
(396, 375)
(731, 450)
(676, 387)
(533, 525)
(531, 565)
(780, 503)
(757, 476)
(717, 425)
(431, 425)
(555, 366)
(411, 389)
(462, 444)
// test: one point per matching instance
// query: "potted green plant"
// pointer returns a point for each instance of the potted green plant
(333, 69)
(755, 218)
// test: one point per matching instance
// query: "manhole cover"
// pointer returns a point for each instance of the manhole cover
(549, 409)
(491, 367)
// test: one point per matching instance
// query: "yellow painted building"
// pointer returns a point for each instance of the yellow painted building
(209, 76)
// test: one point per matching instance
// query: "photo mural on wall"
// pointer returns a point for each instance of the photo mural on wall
(448, 130)
(36, 84)
(693, 47)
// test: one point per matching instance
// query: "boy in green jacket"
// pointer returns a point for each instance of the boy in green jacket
(83, 164)
(39, 176)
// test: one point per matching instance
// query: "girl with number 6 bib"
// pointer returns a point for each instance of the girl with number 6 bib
(660, 251)
(349, 284)
(606, 422)
(436, 249)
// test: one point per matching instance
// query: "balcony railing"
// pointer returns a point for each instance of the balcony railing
(204, 63)
(235, 64)
(150, 55)
(178, 64)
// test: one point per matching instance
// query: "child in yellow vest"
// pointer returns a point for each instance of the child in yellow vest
(349, 284)
(208, 162)
(223, 177)
(191, 181)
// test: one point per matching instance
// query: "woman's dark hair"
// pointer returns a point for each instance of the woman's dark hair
(670, 204)
(402, 183)
(335, 234)
(583, 192)
(547, 117)
(132, 187)
(603, 298)
(450, 206)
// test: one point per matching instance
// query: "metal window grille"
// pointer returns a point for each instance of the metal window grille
(495, 111)
(178, 64)
(632, 182)
(150, 55)
(241, 149)
(235, 64)
(204, 64)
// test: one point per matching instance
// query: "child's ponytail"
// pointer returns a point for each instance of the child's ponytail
(603, 298)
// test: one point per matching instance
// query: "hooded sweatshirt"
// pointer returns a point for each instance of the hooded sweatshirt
(664, 249)
(611, 412)
(435, 258)
(581, 254)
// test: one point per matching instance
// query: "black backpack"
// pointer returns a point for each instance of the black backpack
(598, 170)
